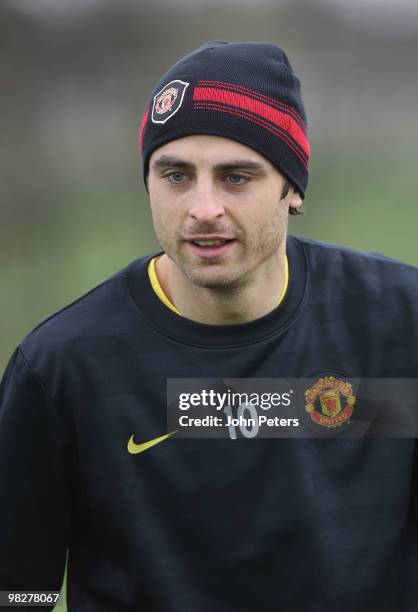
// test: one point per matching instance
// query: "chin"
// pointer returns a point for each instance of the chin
(214, 280)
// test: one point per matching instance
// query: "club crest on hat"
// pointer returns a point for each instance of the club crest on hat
(168, 101)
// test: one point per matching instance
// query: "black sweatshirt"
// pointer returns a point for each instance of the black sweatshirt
(210, 525)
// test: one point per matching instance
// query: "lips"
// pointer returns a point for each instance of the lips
(211, 248)
(210, 243)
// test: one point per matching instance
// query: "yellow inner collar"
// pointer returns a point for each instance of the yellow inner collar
(155, 284)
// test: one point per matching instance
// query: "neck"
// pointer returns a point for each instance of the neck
(222, 306)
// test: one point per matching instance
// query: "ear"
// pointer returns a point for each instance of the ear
(295, 200)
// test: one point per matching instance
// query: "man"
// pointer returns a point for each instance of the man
(157, 522)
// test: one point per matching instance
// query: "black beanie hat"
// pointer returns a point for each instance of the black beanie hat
(244, 91)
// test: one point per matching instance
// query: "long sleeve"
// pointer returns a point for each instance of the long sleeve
(34, 483)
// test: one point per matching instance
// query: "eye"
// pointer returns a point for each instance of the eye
(176, 177)
(236, 179)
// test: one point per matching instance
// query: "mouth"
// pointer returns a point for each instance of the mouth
(211, 248)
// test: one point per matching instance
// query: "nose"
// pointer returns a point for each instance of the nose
(206, 203)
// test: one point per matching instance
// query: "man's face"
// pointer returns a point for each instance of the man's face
(217, 209)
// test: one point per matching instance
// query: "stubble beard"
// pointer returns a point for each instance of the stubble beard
(222, 274)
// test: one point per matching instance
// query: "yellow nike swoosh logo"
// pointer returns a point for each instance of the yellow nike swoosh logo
(134, 449)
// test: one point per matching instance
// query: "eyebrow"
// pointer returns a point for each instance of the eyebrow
(245, 164)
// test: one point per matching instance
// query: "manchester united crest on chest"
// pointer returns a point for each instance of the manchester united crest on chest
(330, 402)
(168, 101)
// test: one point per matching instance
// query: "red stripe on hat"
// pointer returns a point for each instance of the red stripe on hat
(284, 121)
(251, 92)
(142, 126)
(261, 122)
